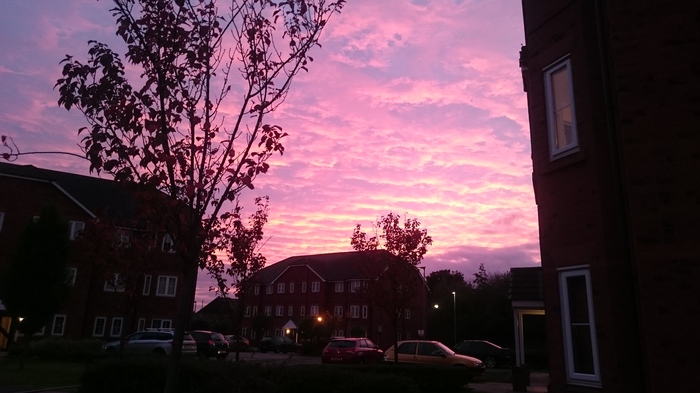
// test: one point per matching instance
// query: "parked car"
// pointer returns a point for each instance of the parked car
(154, 341)
(434, 353)
(210, 344)
(278, 344)
(351, 350)
(240, 343)
(491, 354)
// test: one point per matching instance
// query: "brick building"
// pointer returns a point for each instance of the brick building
(614, 106)
(106, 302)
(329, 286)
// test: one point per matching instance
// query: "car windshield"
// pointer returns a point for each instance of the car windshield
(217, 337)
(445, 348)
(342, 344)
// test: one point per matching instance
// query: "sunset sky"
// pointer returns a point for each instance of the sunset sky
(410, 107)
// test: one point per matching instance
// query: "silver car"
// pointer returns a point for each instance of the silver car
(150, 342)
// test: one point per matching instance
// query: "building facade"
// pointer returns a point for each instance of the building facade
(614, 110)
(302, 289)
(108, 299)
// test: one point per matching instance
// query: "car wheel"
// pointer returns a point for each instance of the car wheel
(490, 362)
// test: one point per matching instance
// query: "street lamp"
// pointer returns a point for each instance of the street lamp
(425, 300)
(454, 307)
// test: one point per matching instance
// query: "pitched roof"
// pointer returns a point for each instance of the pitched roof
(338, 266)
(93, 194)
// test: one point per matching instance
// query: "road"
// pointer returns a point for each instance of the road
(278, 358)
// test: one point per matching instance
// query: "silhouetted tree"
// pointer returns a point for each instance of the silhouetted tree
(36, 286)
(396, 286)
(441, 320)
(171, 131)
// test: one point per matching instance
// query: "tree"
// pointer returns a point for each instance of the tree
(35, 286)
(441, 284)
(396, 285)
(170, 132)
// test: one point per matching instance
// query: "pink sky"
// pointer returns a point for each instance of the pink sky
(410, 107)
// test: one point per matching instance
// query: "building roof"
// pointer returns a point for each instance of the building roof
(93, 194)
(526, 283)
(338, 266)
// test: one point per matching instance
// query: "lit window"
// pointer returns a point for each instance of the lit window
(167, 286)
(99, 329)
(561, 117)
(580, 343)
(116, 330)
(280, 287)
(114, 283)
(315, 286)
(59, 325)
(147, 284)
(75, 227)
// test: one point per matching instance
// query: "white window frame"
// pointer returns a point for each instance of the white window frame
(58, 328)
(2, 218)
(313, 311)
(71, 273)
(291, 287)
(339, 287)
(75, 228)
(277, 332)
(280, 287)
(117, 326)
(165, 290)
(290, 311)
(407, 314)
(161, 323)
(101, 332)
(316, 286)
(354, 311)
(168, 244)
(116, 284)
(257, 289)
(141, 326)
(279, 311)
(338, 311)
(268, 311)
(355, 285)
(302, 311)
(255, 310)
(246, 313)
(147, 284)
(365, 312)
(268, 290)
(573, 377)
(554, 151)
(303, 286)
(244, 332)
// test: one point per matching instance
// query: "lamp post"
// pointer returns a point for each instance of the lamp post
(424, 300)
(454, 308)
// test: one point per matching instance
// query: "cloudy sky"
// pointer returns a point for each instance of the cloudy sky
(411, 107)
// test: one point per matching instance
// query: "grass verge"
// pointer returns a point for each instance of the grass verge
(39, 373)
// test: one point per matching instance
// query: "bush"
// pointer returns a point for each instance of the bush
(62, 349)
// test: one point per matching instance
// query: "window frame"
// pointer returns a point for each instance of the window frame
(313, 311)
(354, 311)
(303, 287)
(338, 311)
(75, 227)
(116, 284)
(279, 311)
(290, 311)
(95, 333)
(554, 151)
(316, 286)
(2, 219)
(72, 273)
(280, 287)
(573, 377)
(291, 287)
(365, 312)
(141, 324)
(62, 325)
(167, 240)
(147, 279)
(339, 287)
(119, 326)
(161, 322)
(166, 289)
(302, 311)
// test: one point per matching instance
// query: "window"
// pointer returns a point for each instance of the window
(561, 117)
(313, 311)
(71, 273)
(407, 348)
(355, 285)
(147, 284)
(141, 325)
(121, 239)
(114, 284)
(2, 218)
(339, 287)
(268, 290)
(303, 287)
(98, 329)
(167, 286)
(247, 311)
(580, 344)
(279, 311)
(291, 287)
(315, 286)
(75, 227)
(364, 312)
(277, 332)
(407, 314)
(290, 311)
(168, 244)
(255, 310)
(302, 311)
(354, 311)
(59, 325)
(280, 287)
(268, 311)
(116, 330)
(244, 332)
(338, 311)
(257, 290)
(161, 324)
(252, 333)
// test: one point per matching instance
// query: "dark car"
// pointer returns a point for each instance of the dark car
(278, 344)
(352, 350)
(210, 344)
(241, 344)
(491, 354)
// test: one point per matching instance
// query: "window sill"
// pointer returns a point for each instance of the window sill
(557, 163)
